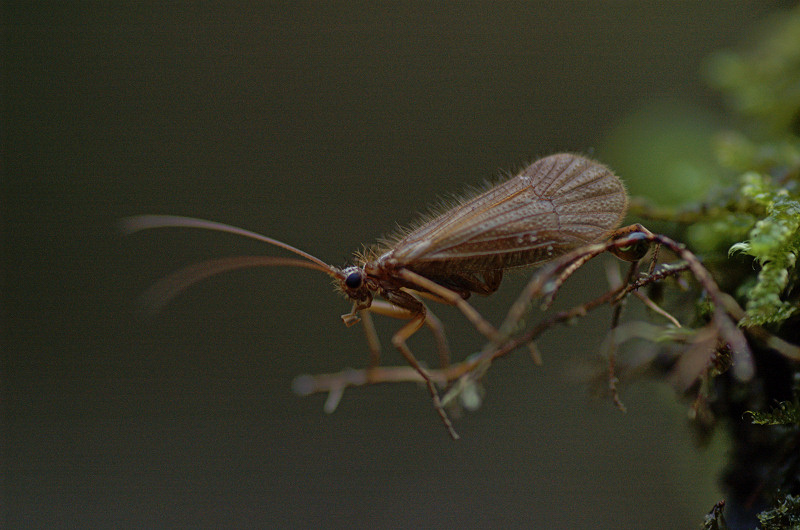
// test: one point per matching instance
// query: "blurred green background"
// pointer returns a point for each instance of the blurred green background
(322, 125)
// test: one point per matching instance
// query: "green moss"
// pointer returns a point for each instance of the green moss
(758, 213)
(773, 241)
(785, 515)
(784, 413)
(741, 216)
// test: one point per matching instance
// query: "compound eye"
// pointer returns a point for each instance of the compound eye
(354, 280)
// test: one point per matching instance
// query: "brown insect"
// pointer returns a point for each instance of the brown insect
(554, 206)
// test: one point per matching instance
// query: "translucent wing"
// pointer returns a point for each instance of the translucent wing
(556, 204)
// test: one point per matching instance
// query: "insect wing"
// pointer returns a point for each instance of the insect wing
(556, 204)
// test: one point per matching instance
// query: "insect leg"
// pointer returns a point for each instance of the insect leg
(373, 343)
(568, 271)
(546, 282)
(399, 342)
(431, 321)
(612, 354)
(743, 366)
(453, 298)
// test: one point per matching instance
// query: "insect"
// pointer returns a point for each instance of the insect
(555, 205)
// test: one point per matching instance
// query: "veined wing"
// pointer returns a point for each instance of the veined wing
(556, 204)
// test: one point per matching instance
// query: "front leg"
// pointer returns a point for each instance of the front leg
(418, 311)
(390, 310)
(352, 317)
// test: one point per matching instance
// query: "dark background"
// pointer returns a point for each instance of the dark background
(323, 126)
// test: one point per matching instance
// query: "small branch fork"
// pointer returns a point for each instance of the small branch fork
(544, 285)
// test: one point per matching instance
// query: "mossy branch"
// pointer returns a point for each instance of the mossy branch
(774, 242)
(784, 515)
(784, 413)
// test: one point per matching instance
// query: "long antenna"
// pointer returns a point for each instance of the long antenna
(168, 288)
(137, 223)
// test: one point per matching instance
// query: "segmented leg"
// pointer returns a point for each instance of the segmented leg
(455, 299)
(431, 321)
(399, 342)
